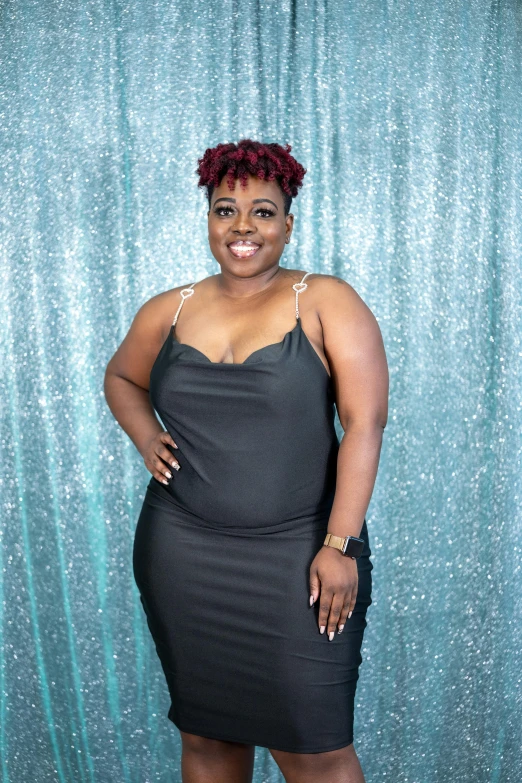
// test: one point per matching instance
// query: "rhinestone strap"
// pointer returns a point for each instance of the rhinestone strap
(298, 288)
(186, 293)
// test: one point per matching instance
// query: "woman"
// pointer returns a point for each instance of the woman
(245, 591)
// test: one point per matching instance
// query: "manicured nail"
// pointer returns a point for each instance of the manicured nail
(341, 628)
(322, 628)
(168, 474)
(311, 600)
(176, 466)
(349, 615)
(331, 635)
(165, 481)
(173, 464)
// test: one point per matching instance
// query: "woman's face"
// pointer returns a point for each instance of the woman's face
(247, 228)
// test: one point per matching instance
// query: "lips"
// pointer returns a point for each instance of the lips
(243, 249)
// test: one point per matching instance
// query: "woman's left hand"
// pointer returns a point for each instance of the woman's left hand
(335, 579)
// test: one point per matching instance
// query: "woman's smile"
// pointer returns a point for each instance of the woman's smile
(243, 248)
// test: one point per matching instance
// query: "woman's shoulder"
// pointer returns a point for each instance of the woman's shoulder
(328, 285)
(333, 296)
(164, 300)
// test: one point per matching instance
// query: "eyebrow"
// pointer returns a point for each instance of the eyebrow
(254, 201)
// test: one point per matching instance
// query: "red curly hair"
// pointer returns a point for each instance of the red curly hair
(236, 161)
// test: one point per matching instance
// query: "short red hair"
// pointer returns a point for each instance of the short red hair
(236, 161)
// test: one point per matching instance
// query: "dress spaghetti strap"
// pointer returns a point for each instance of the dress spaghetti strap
(299, 288)
(186, 293)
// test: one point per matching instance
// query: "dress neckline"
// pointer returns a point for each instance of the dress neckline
(254, 353)
(298, 329)
(297, 287)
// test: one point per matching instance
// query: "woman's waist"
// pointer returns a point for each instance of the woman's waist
(239, 513)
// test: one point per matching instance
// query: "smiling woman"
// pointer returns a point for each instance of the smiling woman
(259, 544)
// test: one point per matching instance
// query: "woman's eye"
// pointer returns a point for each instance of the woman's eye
(228, 210)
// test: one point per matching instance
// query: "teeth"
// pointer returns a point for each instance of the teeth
(244, 244)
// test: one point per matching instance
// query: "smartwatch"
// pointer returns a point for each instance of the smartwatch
(350, 546)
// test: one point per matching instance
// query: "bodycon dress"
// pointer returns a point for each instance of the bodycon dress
(222, 554)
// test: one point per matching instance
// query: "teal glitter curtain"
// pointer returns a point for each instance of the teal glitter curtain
(407, 117)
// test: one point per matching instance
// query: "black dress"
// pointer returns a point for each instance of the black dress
(222, 554)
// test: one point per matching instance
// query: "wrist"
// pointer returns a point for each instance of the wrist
(337, 552)
(143, 443)
(348, 546)
(341, 530)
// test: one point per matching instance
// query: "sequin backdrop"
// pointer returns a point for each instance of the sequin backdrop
(407, 117)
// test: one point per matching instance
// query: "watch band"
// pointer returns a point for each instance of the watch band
(350, 546)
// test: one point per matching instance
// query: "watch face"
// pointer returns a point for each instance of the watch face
(354, 546)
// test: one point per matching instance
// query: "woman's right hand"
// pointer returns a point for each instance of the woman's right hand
(157, 457)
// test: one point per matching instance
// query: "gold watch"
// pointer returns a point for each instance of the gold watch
(350, 546)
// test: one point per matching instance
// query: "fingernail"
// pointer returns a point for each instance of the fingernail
(341, 628)
(173, 464)
(349, 615)
(175, 446)
(165, 481)
(311, 600)
(322, 628)
(331, 635)
(168, 474)
(176, 467)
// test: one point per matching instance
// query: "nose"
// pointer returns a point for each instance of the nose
(243, 225)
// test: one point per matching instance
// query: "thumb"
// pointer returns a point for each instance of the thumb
(166, 437)
(314, 586)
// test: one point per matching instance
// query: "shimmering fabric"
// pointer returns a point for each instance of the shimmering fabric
(407, 117)
(222, 554)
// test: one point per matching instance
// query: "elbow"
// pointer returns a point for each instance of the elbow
(364, 425)
(108, 375)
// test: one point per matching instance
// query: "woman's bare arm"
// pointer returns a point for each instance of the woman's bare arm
(355, 352)
(126, 384)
